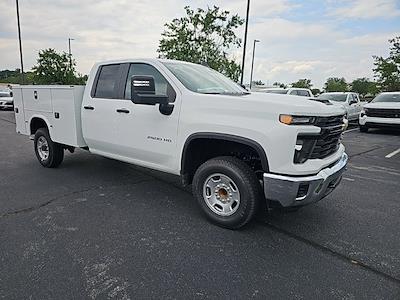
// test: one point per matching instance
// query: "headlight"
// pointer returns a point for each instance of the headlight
(363, 112)
(296, 120)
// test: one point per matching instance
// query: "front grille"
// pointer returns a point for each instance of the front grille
(328, 141)
(383, 112)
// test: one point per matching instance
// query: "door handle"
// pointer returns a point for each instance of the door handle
(123, 110)
(89, 107)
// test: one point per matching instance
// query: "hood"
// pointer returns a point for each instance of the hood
(294, 104)
(388, 105)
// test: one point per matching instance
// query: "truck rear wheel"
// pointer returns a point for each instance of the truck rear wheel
(227, 191)
(48, 153)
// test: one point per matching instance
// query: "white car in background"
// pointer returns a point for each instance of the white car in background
(6, 100)
(350, 102)
(383, 111)
(290, 91)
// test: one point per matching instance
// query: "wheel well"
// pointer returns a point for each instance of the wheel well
(199, 149)
(37, 123)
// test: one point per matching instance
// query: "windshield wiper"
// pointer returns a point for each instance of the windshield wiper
(227, 93)
(237, 93)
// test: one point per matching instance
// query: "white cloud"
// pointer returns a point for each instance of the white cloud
(288, 50)
(368, 9)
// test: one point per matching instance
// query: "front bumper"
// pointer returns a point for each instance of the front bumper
(299, 191)
(379, 122)
(4, 105)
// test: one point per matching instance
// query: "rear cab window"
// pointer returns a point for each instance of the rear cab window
(106, 82)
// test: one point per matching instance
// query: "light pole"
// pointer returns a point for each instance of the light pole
(252, 62)
(69, 52)
(20, 44)
(245, 40)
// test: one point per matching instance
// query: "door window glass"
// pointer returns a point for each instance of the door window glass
(162, 87)
(107, 82)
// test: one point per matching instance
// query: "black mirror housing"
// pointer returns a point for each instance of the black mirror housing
(143, 91)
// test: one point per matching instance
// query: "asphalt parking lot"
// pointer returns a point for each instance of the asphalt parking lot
(98, 228)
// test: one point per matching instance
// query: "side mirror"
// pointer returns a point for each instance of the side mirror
(143, 92)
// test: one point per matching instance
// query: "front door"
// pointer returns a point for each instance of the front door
(353, 114)
(144, 135)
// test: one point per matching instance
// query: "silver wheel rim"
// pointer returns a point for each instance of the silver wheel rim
(42, 147)
(221, 194)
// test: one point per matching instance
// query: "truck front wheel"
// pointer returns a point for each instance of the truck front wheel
(48, 153)
(227, 191)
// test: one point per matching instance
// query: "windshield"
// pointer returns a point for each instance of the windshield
(275, 91)
(387, 98)
(203, 80)
(5, 95)
(333, 97)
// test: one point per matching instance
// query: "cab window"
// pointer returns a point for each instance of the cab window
(162, 86)
(107, 82)
(303, 93)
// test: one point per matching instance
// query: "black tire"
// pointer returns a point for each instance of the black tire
(243, 178)
(55, 150)
(363, 128)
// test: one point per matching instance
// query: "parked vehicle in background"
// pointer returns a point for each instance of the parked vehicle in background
(290, 91)
(350, 102)
(382, 111)
(6, 100)
(240, 151)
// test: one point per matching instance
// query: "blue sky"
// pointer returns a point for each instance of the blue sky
(299, 39)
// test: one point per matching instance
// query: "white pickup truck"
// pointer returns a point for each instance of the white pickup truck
(350, 102)
(240, 151)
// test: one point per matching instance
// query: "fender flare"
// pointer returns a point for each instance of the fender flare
(227, 137)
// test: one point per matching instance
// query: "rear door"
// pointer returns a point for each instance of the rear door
(98, 113)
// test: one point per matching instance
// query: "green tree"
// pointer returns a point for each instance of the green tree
(316, 91)
(203, 36)
(336, 84)
(258, 82)
(56, 68)
(302, 83)
(364, 86)
(14, 77)
(387, 70)
(279, 84)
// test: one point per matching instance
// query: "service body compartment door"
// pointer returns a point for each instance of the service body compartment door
(66, 119)
(19, 112)
(37, 99)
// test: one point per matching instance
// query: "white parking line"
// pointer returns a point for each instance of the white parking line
(393, 153)
(350, 130)
(348, 179)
